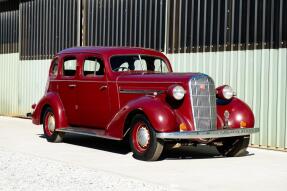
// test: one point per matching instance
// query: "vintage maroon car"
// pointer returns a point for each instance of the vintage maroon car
(132, 93)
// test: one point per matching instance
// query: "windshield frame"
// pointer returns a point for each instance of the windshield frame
(166, 62)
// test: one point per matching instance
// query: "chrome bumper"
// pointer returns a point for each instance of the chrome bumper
(207, 134)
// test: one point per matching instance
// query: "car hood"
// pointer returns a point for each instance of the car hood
(157, 78)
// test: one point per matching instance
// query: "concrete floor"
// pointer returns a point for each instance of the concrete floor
(199, 168)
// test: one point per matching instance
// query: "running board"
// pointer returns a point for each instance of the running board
(86, 131)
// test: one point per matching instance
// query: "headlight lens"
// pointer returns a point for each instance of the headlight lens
(178, 92)
(227, 92)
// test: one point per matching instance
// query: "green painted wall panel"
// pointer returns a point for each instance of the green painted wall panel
(9, 65)
(258, 77)
(22, 83)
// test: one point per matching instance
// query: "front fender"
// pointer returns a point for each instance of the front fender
(239, 112)
(159, 114)
(50, 100)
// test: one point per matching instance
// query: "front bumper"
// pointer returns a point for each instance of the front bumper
(207, 134)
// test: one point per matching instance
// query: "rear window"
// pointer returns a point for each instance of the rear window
(93, 67)
(69, 66)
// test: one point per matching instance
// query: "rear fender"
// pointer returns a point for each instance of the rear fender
(50, 100)
(158, 113)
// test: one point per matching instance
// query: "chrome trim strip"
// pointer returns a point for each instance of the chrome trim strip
(207, 134)
(86, 131)
(125, 91)
(191, 102)
(120, 82)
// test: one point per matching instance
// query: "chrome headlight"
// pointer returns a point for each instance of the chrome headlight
(178, 92)
(227, 92)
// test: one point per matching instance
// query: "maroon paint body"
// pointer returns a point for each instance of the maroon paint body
(98, 102)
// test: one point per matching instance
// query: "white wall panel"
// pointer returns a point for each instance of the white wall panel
(22, 83)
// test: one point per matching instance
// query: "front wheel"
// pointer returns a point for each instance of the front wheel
(49, 127)
(234, 146)
(143, 142)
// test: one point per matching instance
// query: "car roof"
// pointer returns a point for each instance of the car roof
(105, 50)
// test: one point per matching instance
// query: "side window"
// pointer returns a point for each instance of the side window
(54, 69)
(160, 66)
(93, 67)
(69, 66)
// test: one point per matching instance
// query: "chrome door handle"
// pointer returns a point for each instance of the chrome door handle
(72, 85)
(103, 87)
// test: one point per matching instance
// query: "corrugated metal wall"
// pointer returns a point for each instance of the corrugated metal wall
(259, 78)
(21, 83)
(9, 31)
(138, 23)
(47, 27)
(9, 69)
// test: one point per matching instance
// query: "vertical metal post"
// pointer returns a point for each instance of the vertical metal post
(135, 23)
(161, 27)
(19, 29)
(155, 26)
(121, 22)
(218, 26)
(85, 23)
(247, 43)
(198, 26)
(108, 21)
(140, 23)
(79, 21)
(240, 24)
(232, 44)
(211, 27)
(113, 22)
(179, 25)
(173, 49)
(145, 24)
(263, 24)
(131, 23)
(191, 26)
(204, 26)
(281, 25)
(272, 43)
(167, 15)
(125, 13)
(255, 24)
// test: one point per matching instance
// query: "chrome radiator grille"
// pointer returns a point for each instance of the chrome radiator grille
(203, 99)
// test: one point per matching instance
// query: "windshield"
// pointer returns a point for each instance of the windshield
(138, 63)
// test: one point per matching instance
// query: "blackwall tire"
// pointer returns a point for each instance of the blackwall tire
(142, 138)
(49, 126)
(234, 146)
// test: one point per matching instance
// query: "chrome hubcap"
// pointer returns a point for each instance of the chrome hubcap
(143, 136)
(51, 123)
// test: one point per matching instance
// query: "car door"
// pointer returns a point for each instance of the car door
(93, 92)
(67, 88)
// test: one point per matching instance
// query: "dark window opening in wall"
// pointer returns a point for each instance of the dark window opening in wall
(40, 28)
(9, 30)
(135, 23)
(9, 5)
(218, 25)
(47, 27)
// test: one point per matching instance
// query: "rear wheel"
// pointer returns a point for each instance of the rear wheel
(234, 146)
(49, 127)
(143, 142)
